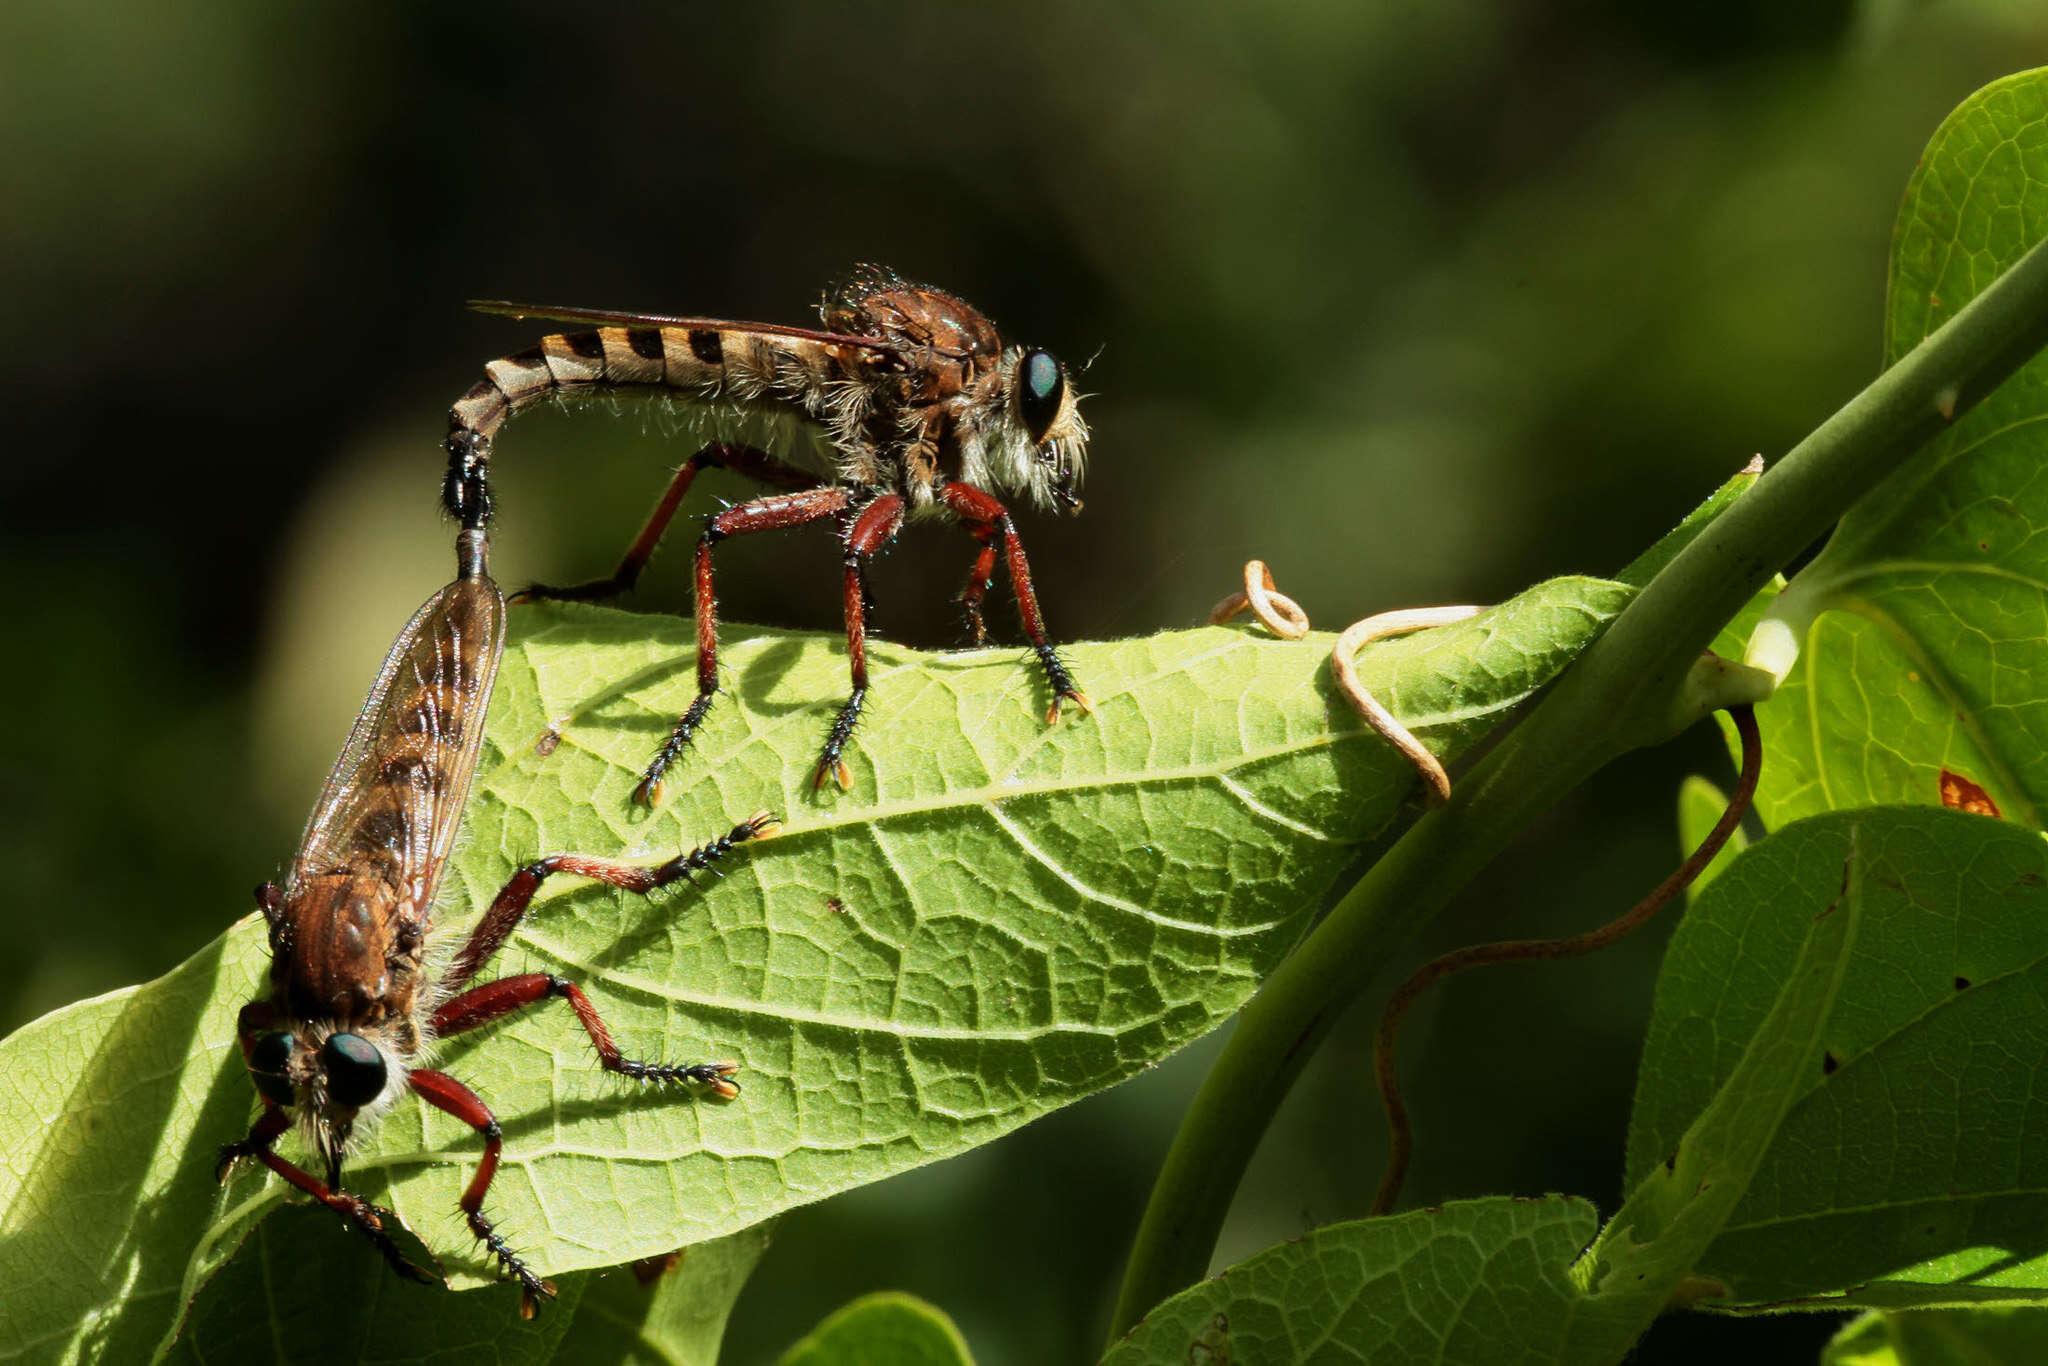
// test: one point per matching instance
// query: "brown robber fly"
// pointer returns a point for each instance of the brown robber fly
(354, 1004)
(907, 402)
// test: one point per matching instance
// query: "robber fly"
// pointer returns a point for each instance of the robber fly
(912, 403)
(354, 1003)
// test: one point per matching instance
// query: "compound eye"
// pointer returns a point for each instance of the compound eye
(1041, 388)
(269, 1056)
(355, 1069)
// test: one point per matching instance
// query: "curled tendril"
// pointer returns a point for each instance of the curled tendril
(1276, 611)
(1283, 616)
(1436, 782)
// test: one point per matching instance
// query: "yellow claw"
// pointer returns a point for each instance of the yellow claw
(1079, 699)
(721, 1086)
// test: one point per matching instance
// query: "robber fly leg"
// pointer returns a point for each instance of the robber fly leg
(443, 1092)
(988, 518)
(360, 1213)
(493, 1000)
(265, 1131)
(473, 1008)
(773, 513)
(748, 461)
(878, 522)
(979, 580)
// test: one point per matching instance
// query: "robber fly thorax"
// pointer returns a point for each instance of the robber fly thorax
(907, 402)
(355, 1000)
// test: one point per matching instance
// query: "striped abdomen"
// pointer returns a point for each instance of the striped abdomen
(731, 364)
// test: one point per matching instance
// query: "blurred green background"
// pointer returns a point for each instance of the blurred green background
(1418, 302)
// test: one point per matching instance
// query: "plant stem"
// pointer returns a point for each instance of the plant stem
(1619, 695)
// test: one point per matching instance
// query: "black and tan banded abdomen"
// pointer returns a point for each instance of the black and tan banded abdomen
(702, 363)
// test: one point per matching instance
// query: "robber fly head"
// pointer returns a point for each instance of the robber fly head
(1003, 418)
(330, 1076)
(1042, 406)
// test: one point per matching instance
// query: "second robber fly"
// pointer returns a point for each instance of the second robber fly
(356, 999)
(918, 406)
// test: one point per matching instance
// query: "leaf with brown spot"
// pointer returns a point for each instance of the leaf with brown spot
(1960, 794)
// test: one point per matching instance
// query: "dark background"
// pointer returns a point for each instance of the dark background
(1419, 302)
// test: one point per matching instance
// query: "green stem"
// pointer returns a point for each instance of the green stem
(1621, 694)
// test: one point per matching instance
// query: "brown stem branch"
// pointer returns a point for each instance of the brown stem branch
(1400, 1133)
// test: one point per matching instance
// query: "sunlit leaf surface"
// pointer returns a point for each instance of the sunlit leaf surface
(1934, 655)
(998, 919)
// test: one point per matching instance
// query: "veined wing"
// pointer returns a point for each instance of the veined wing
(395, 796)
(600, 317)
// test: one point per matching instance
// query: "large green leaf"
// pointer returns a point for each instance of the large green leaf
(1484, 1282)
(1912, 1167)
(1931, 647)
(999, 919)
(1649, 1255)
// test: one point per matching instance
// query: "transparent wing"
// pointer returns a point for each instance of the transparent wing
(396, 794)
(604, 317)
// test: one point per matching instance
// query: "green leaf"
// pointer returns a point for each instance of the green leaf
(276, 1301)
(1943, 1337)
(1700, 805)
(1910, 1169)
(1649, 1255)
(998, 920)
(1932, 640)
(1486, 1282)
(306, 1291)
(666, 1311)
(889, 1329)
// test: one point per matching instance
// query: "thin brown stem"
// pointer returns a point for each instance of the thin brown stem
(1400, 1133)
